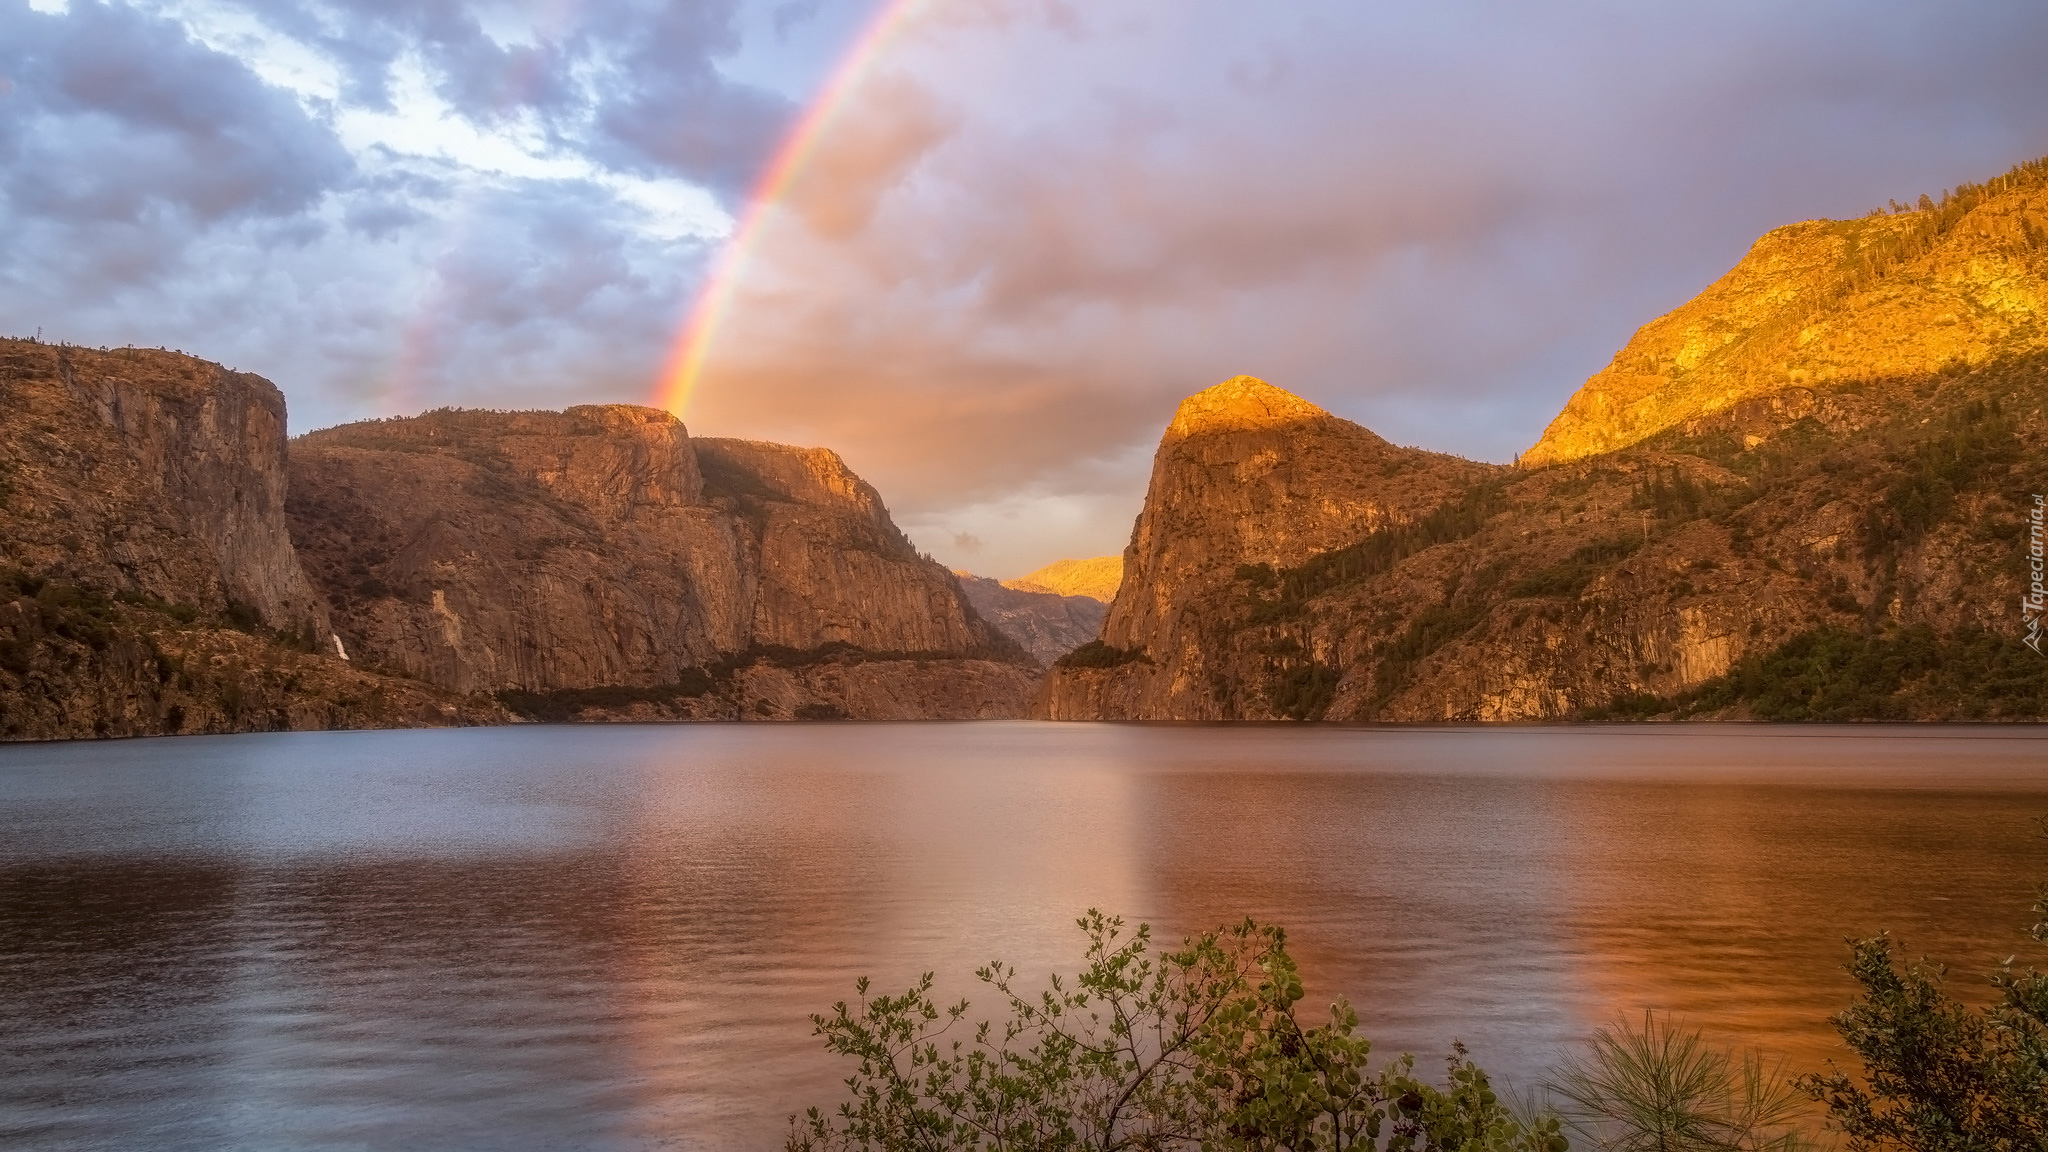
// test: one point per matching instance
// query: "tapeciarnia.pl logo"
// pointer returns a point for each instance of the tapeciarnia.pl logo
(2036, 598)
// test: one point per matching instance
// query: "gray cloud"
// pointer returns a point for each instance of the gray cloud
(635, 84)
(114, 117)
(675, 110)
(474, 72)
(161, 182)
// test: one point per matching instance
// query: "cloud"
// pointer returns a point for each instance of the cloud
(635, 86)
(791, 13)
(384, 206)
(868, 156)
(114, 116)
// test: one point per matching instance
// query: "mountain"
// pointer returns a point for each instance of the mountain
(602, 560)
(1828, 303)
(1247, 475)
(148, 582)
(1096, 578)
(1047, 624)
(1815, 492)
(1808, 494)
(169, 563)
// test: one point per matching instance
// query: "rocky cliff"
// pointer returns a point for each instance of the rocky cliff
(1047, 624)
(602, 559)
(1246, 475)
(157, 535)
(147, 579)
(1957, 283)
(1809, 494)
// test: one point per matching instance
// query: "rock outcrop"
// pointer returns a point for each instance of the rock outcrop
(1247, 474)
(1047, 624)
(148, 582)
(604, 548)
(1829, 303)
(1097, 578)
(150, 472)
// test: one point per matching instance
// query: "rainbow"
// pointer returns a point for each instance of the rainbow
(685, 365)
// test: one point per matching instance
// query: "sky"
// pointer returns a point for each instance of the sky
(979, 247)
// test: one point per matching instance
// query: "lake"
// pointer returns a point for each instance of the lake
(612, 937)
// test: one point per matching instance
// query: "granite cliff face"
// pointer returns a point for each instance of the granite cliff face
(157, 536)
(92, 438)
(560, 554)
(147, 580)
(1047, 624)
(1829, 303)
(1247, 474)
(1811, 494)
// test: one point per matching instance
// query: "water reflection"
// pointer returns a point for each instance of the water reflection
(612, 938)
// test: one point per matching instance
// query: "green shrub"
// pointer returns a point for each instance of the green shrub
(1196, 1047)
(243, 617)
(1660, 1088)
(1098, 654)
(181, 612)
(1939, 1075)
(1567, 578)
(1974, 446)
(1304, 692)
(1379, 552)
(1427, 631)
(564, 705)
(1629, 706)
(1834, 674)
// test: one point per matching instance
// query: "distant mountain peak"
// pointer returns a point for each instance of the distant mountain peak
(1096, 578)
(1238, 404)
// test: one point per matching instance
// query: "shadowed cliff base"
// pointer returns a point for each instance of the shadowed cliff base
(835, 682)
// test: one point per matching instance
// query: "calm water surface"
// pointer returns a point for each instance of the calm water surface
(612, 937)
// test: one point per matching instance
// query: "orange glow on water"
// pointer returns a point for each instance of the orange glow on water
(686, 358)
